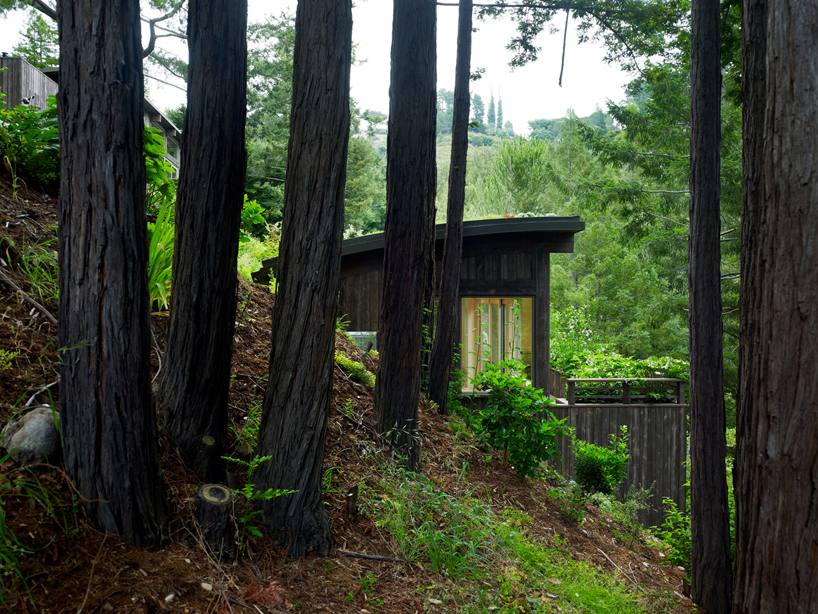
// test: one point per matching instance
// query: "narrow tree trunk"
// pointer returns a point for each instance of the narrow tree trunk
(754, 104)
(777, 534)
(446, 335)
(294, 419)
(109, 430)
(710, 515)
(409, 238)
(196, 379)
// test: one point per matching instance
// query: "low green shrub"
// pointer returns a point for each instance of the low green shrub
(516, 419)
(601, 469)
(31, 145)
(355, 370)
(160, 256)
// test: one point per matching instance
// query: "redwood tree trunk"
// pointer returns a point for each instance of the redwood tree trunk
(109, 430)
(710, 516)
(294, 418)
(777, 468)
(196, 378)
(446, 335)
(409, 229)
(754, 104)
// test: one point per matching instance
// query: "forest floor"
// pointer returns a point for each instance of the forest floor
(518, 552)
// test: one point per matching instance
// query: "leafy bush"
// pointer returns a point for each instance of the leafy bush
(601, 469)
(161, 187)
(160, 256)
(675, 532)
(31, 144)
(355, 370)
(252, 251)
(514, 418)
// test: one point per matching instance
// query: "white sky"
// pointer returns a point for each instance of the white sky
(527, 93)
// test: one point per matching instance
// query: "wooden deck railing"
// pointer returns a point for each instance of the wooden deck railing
(642, 391)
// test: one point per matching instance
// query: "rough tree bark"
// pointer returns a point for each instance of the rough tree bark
(711, 571)
(296, 404)
(446, 334)
(196, 379)
(777, 466)
(109, 429)
(409, 231)
(754, 104)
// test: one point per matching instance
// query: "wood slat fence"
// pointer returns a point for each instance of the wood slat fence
(655, 413)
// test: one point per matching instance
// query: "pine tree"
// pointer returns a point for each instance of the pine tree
(39, 45)
(491, 118)
(500, 124)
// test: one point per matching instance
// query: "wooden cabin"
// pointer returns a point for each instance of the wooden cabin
(504, 287)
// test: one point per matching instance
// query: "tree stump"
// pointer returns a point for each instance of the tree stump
(215, 513)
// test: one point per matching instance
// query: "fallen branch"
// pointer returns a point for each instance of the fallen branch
(373, 557)
(43, 389)
(622, 572)
(44, 311)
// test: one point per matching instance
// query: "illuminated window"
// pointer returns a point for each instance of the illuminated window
(494, 329)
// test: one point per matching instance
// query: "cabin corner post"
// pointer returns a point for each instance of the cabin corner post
(542, 321)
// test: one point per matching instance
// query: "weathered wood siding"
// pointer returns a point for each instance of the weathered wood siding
(657, 445)
(19, 80)
(359, 300)
(557, 383)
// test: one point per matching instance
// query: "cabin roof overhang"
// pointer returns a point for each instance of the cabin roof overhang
(513, 235)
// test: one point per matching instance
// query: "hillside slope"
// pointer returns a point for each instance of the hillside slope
(468, 533)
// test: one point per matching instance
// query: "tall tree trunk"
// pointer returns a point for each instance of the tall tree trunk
(754, 104)
(196, 379)
(294, 419)
(409, 234)
(777, 545)
(109, 429)
(710, 515)
(446, 335)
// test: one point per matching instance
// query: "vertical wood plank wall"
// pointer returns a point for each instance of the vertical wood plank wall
(21, 80)
(657, 446)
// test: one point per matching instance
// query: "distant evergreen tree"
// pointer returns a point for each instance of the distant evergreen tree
(500, 124)
(39, 45)
(491, 117)
(478, 111)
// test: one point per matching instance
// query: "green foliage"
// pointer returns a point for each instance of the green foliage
(365, 190)
(447, 533)
(253, 251)
(5, 359)
(161, 188)
(247, 435)
(355, 370)
(160, 256)
(252, 220)
(39, 44)
(39, 265)
(572, 501)
(31, 145)
(514, 419)
(250, 495)
(601, 469)
(269, 94)
(675, 532)
(626, 512)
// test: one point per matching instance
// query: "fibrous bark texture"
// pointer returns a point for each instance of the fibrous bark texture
(754, 104)
(777, 466)
(409, 229)
(710, 517)
(446, 334)
(196, 379)
(109, 430)
(296, 404)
